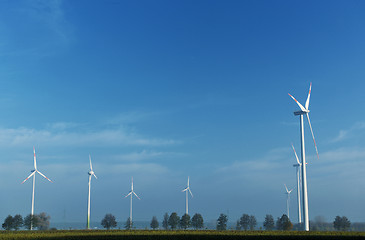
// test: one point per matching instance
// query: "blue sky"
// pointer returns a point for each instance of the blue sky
(163, 90)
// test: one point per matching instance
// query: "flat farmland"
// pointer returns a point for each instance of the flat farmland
(176, 235)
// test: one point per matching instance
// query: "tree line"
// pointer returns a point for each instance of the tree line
(38, 221)
(173, 221)
(246, 222)
(249, 222)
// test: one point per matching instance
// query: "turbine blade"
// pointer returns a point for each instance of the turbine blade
(300, 105)
(188, 181)
(136, 195)
(286, 188)
(309, 95)
(43, 176)
(191, 193)
(296, 156)
(314, 140)
(128, 194)
(91, 166)
(34, 159)
(185, 190)
(132, 184)
(28, 177)
(95, 176)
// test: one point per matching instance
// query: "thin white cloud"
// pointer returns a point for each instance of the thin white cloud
(343, 134)
(62, 125)
(110, 137)
(293, 123)
(339, 165)
(46, 17)
(275, 164)
(269, 161)
(73, 169)
(348, 133)
(342, 155)
(145, 155)
(344, 165)
(49, 13)
(133, 168)
(131, 117)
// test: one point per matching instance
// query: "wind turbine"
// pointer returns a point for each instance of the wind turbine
(131, 192)
(33, 172)
(91, 173)
(305, 110)
(287, 199)
(187, 189)
(298, 167)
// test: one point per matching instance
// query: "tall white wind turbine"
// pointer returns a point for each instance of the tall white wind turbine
(91, 173)
(305, 110)
(131, 192)
(187, 189)
(287, 199)
(298, 166)
(33, 172)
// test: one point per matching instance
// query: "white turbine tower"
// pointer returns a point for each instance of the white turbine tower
(304, 110)
(187, 189)
(33, 172)
(91, 173)
(298, 167)
(131, 192)
(288, 199)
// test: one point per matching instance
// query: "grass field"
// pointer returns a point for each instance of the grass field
(178, 235)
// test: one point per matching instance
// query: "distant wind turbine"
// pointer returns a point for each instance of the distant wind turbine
(91, 173)
(33, 172)
(298, 166)
(305, 110)
(131, 192)
(288, 199)
(187, 189)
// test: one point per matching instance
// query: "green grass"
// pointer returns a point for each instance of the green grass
(175, 235)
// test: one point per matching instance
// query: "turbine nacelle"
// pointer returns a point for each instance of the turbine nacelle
(301, 112)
